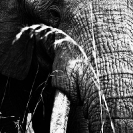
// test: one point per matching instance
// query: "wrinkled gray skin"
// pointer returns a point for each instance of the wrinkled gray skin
(108, 25)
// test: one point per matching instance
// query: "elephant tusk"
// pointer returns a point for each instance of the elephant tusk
(60, 113)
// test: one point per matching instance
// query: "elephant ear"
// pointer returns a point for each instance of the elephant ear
(15, 59)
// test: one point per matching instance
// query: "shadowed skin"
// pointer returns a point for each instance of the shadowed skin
(19, 67)
(105, 24)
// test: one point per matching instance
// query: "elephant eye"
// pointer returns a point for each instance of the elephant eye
(54, 13)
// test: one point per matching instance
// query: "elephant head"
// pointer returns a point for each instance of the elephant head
(102, 83)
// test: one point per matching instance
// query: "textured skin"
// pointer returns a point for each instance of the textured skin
(109, 23)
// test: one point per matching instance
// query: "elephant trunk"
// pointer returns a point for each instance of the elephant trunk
(110, 30)
(103, 28)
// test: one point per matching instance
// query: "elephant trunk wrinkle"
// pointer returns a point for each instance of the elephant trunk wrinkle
(113, 40)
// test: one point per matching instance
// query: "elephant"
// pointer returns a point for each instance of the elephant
(98, 80)
(102, 83)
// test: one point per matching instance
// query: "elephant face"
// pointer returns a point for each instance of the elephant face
(102, 84)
